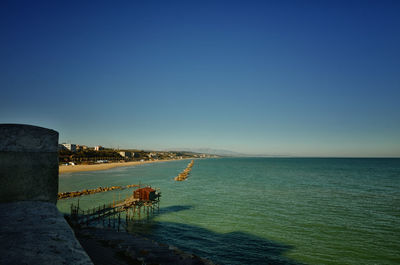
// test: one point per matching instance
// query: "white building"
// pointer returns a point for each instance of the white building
(126, 154)
(70, 147)
(98, 148)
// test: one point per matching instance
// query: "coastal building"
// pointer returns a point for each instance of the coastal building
(98, 148)
(152, 155)
(81, 147)
(126, 154)
(70, 147)
(146, 194)
(61, 147)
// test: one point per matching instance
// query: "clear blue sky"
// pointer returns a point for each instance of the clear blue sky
(307, 78)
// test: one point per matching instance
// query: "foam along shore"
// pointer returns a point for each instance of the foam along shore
(104, 166)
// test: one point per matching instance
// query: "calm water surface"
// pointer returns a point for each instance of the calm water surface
(267, 210)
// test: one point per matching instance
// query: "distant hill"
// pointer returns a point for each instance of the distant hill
(210, 151)
(222, 152)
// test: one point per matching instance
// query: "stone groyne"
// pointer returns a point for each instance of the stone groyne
(185, 173)
(72, 194)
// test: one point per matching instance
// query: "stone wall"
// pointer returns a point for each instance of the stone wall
(28, 163)
(35, 233)
(32, 230)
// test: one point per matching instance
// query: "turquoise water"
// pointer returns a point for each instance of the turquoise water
(267, 210)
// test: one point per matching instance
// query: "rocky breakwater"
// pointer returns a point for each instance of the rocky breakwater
(185, 173)
(106, 246)
(72, 194)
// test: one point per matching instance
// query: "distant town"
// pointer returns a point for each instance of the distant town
(73, 154)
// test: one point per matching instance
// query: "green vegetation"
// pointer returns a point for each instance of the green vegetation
(90, 156)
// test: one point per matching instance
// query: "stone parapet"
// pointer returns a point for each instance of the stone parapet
(36, 233)
(28, 163)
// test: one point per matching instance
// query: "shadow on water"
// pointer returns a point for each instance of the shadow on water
(175, 208)
(230, 248)
(145, 226)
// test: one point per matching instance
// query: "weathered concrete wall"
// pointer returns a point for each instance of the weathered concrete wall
(35, 233)
(32, 230)
(28, 163)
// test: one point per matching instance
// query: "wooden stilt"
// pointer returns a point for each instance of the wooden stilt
(131, 207)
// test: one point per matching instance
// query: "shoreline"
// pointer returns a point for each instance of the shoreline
(105, 166)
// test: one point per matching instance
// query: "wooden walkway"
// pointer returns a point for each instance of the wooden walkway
(130, 208)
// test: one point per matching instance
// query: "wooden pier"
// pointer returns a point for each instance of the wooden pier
(142, 203)
(185, 173)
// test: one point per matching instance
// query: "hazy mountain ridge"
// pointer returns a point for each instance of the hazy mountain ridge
(210, 151)
(223, 152)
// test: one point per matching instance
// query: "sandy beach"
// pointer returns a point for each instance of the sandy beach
(104, 166)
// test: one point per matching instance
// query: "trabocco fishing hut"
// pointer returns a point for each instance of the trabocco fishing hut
(143, 200)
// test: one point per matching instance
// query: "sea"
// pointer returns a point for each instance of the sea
(332, 211)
